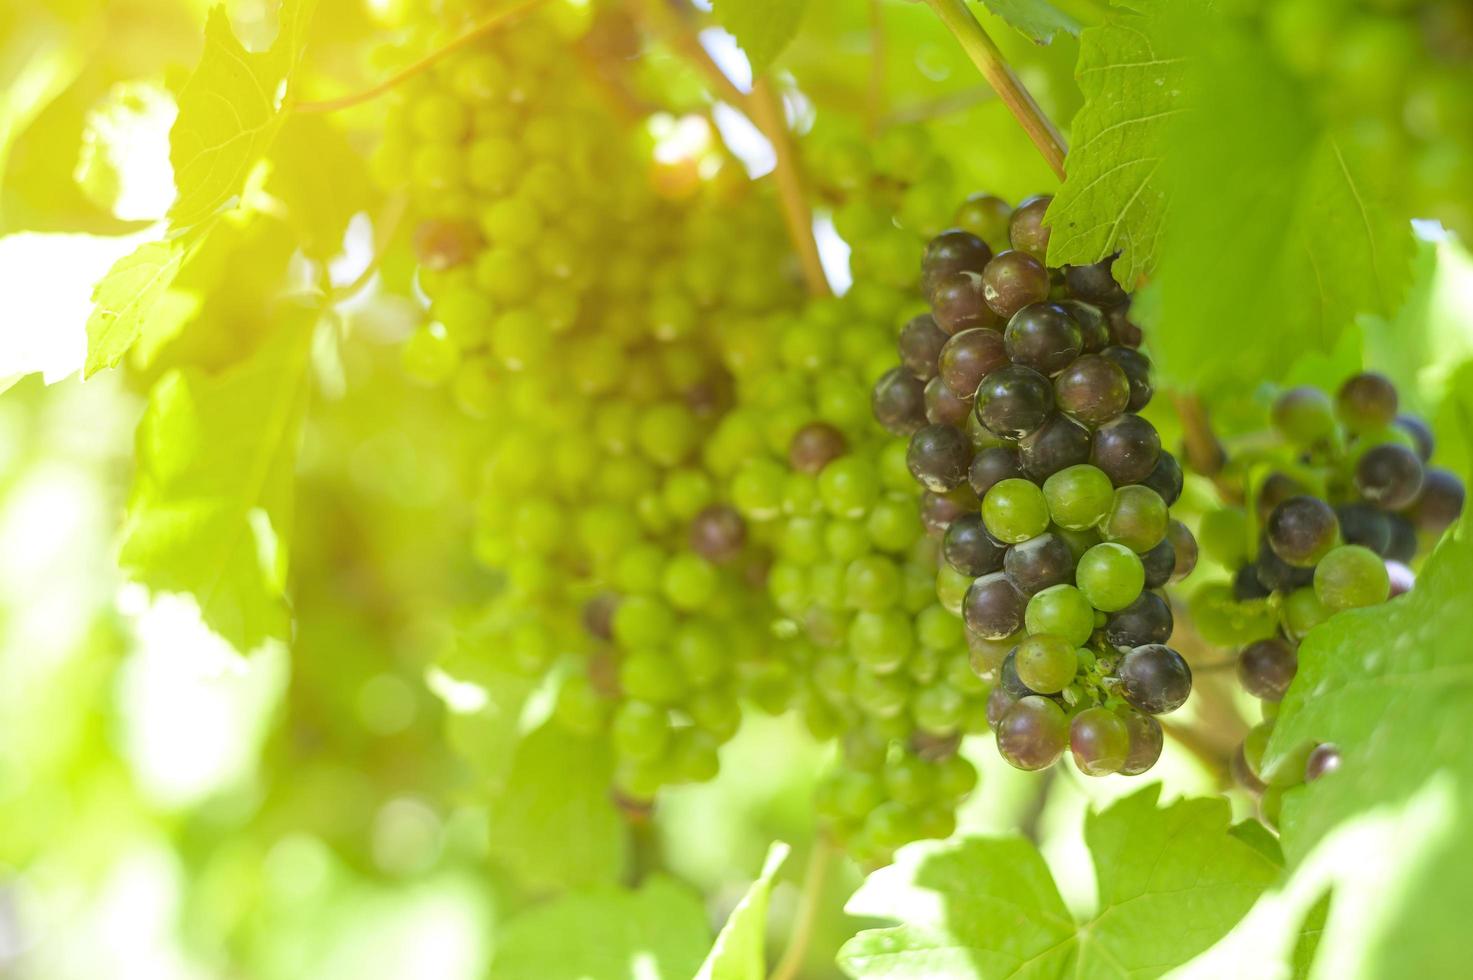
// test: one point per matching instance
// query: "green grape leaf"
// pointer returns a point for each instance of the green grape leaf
(1037, 20)
(1392, 688)
(125, 298)
(553, 824)
(1308, 943)
(211, 508)
(1171, 882)
(658, 932)
(739, 952)
(1131, 71)
(763, 28)
(321, 178)
(230, 112)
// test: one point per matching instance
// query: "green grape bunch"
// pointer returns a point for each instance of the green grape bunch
(1338, 508)
(1019, 392)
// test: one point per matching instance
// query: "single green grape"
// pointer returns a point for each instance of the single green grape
(1351, 576)
(1079, 497)
(848, 486)
(1046, 662)
(1063, 611)
(1111, 576)
(1137, 518)
(1014, 510)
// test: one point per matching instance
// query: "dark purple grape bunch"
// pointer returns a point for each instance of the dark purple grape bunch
(1019, 392)
(1339, 527)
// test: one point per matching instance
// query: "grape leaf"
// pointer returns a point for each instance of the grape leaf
(128, 295)
(739, 950)
(211, 508)
(1037, 20)
(553, 824)
(321, 178)
(1131, 71)
(1308, 943)
(1392, 688)
(658, 932)
(1171, 882)
(763, 28)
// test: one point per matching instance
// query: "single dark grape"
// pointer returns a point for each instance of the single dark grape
(1094, 283)
(1366, 525)
(1026, 230)
(968, 548)
(968, 357)
(998, 703)
(1014, 401)
(959, 303)
(718, 533)
(938, 457)
(1012, 280)
(1420, 433)
(1159, 563)
(1247, 587)
(1059, 444)
(943, 407)
(1123, 330)
(1146, 742)
(952, 251)
(1389, 476)
(1126, 448)
(1137, 368)
(1323, 759)
(991, 466)
(1043, 336)
(1099, 741)
(1440, 503)
(1155, 679)
(1266, 668)
(1302, 529)
(440, 244)
(1093, 330)
(993, 607)
(815, 446)
(1039, 563)
(1275, 489)
(1402, 545)
(938, 511)
(1366, 401)
(1146, 620)
(1166, 478)
(1093, 389)
(1032, 734)
(920, 346)
(899, 402)
(598, 615)
(1277, 575)
(1184, 545)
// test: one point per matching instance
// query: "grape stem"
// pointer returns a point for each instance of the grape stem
(989, 60)
(1204, 451)
(814, 876)
(764, 108)
(491, 22)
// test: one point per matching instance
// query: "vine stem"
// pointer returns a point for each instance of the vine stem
(984, 53)
(1204, 451)
(814, 876)
(491, 22)
(764, 108)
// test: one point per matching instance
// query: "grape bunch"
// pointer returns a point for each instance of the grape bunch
(1397, 77)
(1019, 393)
(1336, 511)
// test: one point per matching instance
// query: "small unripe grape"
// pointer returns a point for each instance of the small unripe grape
(1137, 519)
(1155, 679)
(1079, 496)
(1026, 230)
(1110, 576)
(1304, 415)
(1032, 734)
(1100, 741)
(1350, 577)
(1015, 510)
(1366, 401)
(986, 216)
(1302, 529)
(1063, 611)
(1045, 663)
